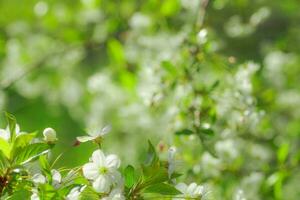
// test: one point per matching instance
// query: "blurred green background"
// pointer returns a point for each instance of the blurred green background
(218, 79)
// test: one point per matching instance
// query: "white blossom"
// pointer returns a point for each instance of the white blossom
(115, 194)
(94, 134)
(189, 191)
(74, 194)
(49, 135)
(102, 170)
(171, 160)
(5, 133)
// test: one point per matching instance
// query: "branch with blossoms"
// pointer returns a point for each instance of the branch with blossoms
(26, 173)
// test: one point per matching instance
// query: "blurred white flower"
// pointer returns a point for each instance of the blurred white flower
(38, 178)
(239, 195)
(115, 194)
(189, 191)
(34, 195)
(139, 21)
(94, 134)
(56, 178)
(49, 135)
(227, 149)
(74, 194)
(5, 133)
(171, 160)
(41, 8)
(102, 170)
(202, 36)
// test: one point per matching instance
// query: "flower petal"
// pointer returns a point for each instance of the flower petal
(56, 176)
(102, 184)
(182, 187)
(85, 138)
(98, 157)
(191, 189)
(105, 130)
(90, 171)
(112, 161)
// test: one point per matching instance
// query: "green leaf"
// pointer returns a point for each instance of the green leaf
(175, 175)
(30, 152)
(282, 153)
(11, 120)
(44, 164)
(184, 132)
(162, 188)
(153, 175)
(116, 51)
(169, 67)
(152, 158)
(89, 194)
(170, 7)
(129, 176)
(3, 162)
(207, 131)
(23, 140)
(5, 147)
(20, 194)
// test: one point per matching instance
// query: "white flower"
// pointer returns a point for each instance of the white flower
(74, 194)
(102, 170)
(56, 178)
(5, 133)
(38, 178)
(94, 134)
(171, 160)
(41, 179)
(115, 194)
(34, 195)
(189, 191)
(49, 135)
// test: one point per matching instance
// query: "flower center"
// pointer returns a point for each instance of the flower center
(103, 170)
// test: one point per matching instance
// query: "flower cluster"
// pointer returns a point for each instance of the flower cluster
(101, 178)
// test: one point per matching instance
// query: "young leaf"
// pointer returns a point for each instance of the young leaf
(89, 194)
(162, 188)
(23, 139)
(11, 120)
(3, 162)
(4, 147)
(152, 158)
(20, 194)
(154, 175)
(30, 152)
(129, 176)
(184, 132)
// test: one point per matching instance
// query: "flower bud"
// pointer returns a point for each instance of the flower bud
(49, 135)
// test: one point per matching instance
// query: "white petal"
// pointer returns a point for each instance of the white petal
(4, 134)
(182, 187)
(117, 179)
(98, 157)
(90, 171)
(191, 189)
(74, 194)
(34, 196)
(105, 130)
(56, 177)
(85, 138)
(112, 161)
(102, 184)
(38, 178)
(199, 190)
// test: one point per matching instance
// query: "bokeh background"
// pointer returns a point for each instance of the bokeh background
(218, 79)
